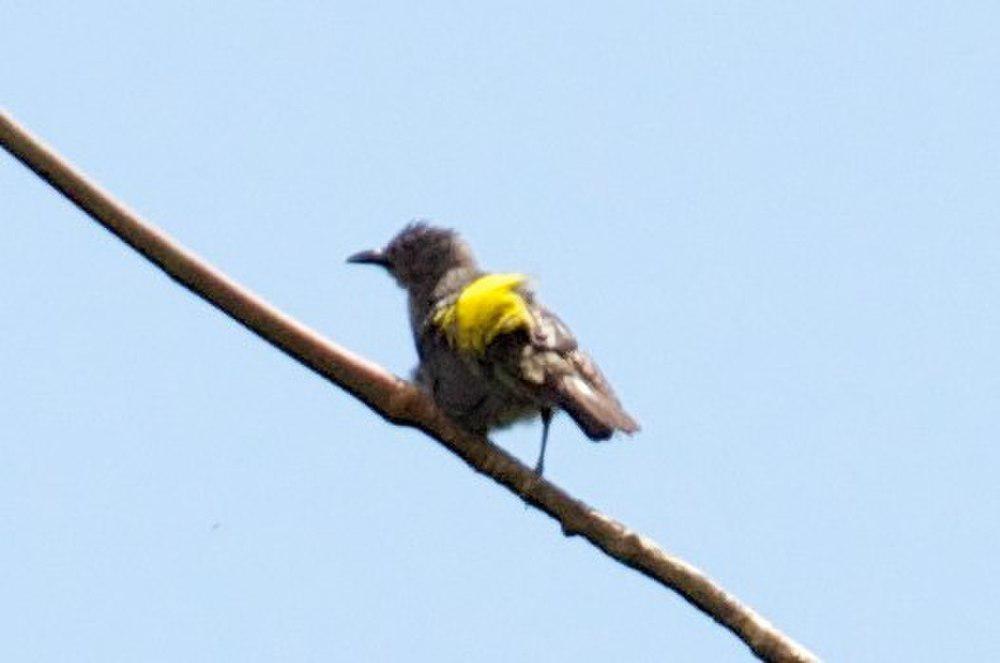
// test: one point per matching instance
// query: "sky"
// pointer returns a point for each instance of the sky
(774, 226)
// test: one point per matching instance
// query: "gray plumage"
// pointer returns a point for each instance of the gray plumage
(520, 375)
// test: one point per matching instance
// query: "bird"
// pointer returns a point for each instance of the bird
(489, 353)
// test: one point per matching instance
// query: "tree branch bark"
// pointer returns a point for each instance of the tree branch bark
(397, 400)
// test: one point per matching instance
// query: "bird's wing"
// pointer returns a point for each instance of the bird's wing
(571, 378)
(549, 332)
(582, 391)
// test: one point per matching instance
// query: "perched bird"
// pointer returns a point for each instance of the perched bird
(490, 354)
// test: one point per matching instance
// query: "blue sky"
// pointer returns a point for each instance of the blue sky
(774, 225)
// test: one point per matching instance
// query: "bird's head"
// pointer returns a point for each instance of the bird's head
(420, 255)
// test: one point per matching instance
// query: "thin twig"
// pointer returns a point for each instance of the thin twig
(398, 401)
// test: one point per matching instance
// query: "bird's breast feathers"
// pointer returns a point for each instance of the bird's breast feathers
(491, 305)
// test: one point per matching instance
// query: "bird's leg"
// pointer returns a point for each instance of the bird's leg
(546, 420)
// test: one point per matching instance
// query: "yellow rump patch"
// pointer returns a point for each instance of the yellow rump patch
(486, 308)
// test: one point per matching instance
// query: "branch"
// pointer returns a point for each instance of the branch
(398, 401)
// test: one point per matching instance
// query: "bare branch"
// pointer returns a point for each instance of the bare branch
(398, 401)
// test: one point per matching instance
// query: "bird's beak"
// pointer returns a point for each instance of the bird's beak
(370, 257)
